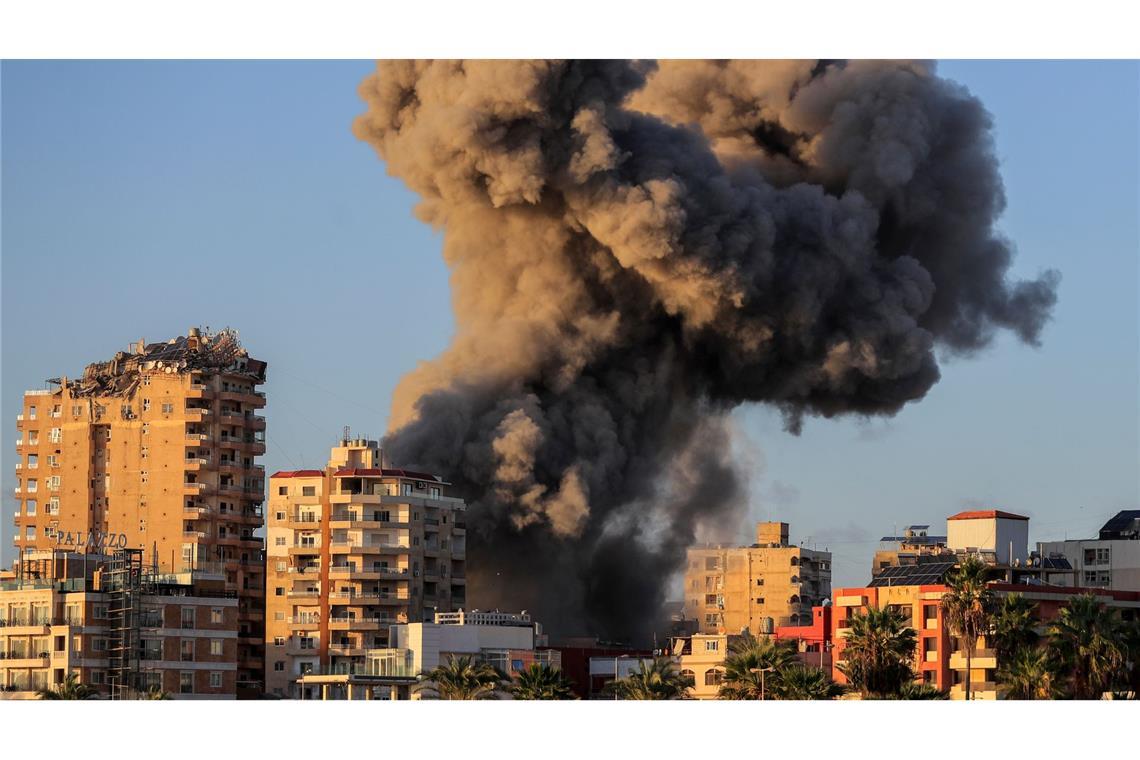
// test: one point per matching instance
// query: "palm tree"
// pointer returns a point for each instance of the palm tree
(803, 682)
(752, 663)
(463, 678)
(69, 689)
(540, 681)
(154, 693)
(879, 653)
(1028, 674)
(1086, 638)
(660, 680)
(1013, 627)
(916, 690)
(967, 606)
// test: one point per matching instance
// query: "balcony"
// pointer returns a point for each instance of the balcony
(342, 598)
(194, 489)
(193, 535)
(304, 549)
(354, 547)
(368, 573)
(304, 594)
(366, 520)
(360, 624)
(305, 622)
(195, 513)
(196, 463)
(193, 439)
(199, 390)
(982, 659)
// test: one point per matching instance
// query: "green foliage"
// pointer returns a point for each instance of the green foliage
(463, 678)
(879, 652)
(1028, 673)
(539, 681)
(660, 680)
(804, 682)
(69, 689)
(1088, 641)
(746, 656)
(1014, 626)
(916, 690)
(967, 607)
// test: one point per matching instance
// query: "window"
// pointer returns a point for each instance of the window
(53, 483)
(215, 679)
(30, 533)
(76, 411)
(712, 646)
(33, 461)
(713, 677)
(760, 600)
(308, 642)
(279, 516)
(279, 541)
(279, 666)
(282, 490)
(308, 490)
(33, 485)
(186, 650)
(281, 567)
(168, 408)
(216, 646)
(55, 435)
(53, 460)
(278, 615)
(712, 563)
(187, 617)
(53, 505)
(408, 491)
(97, 677)
(279, 591)
(30, 506)
(146, 404)
(278, 641)
(185, 683)
(712, 618)
(434, 492)
(31, 412)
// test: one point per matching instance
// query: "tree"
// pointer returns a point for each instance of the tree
(746, 657)
(1028, 674)
(659, 680)
(69, 689)
(154, 693)
(1014, 627)
(1087, 640)
(463, 678)
(803, 682)
(916, 690)
(879, 653)
(540, 681)
(967, 608)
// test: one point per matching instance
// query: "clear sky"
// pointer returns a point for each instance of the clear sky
(141, 198)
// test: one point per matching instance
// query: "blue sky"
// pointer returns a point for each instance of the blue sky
(140, 198)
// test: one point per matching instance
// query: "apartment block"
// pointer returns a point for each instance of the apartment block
(758, 587)
(118, 626)
(155, 449)
(354, 549)
(916, 542)
(1109, 561)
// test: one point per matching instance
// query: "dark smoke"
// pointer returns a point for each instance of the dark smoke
(637, 249)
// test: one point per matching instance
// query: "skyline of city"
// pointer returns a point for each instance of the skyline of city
(889, 472)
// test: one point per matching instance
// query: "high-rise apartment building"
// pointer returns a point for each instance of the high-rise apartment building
(352, 550)
(758, 587)
(155, 449)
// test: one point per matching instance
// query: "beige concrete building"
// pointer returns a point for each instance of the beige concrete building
(758, 587)
(117, 626)
(914, 545)
(352, 550)
(1110, 561)
(155, 449)
(701, 657)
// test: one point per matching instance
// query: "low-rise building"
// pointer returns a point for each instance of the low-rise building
(915, 542)
(118, 626)
(1109, 561)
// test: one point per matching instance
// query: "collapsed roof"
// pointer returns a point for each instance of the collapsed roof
(196, 351)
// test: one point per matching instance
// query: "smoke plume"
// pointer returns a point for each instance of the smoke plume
(636, 249)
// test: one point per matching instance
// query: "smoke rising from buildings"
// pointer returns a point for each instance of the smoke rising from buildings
(636, 249)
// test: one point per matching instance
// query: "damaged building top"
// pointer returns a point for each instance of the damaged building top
(220, 352)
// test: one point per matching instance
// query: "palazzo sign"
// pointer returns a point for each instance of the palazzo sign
(92, 539)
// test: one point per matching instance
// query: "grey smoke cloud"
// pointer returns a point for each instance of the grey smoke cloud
(637, 248)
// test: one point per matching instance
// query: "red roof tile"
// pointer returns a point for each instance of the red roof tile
(297, 474)
(986, 514)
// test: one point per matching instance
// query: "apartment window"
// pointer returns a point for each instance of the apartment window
(408, 491)
(186, 650)
(53, 483)
(712, 646)
(308, 490)
(216, 646)
(279, 541)
(712, 563)
(53, 460)
(712, 618)
(146, 404)
(168, 408)
(97, 677)
(31, 412)
(187, 617)
(30, 534)
(279, 516)
(76, 411)
(308, 642)
(760, 600)
(279, 666)
(99, 645)
(99, 611)
(278, 641)
(282, 490)
(30, 507)
(1103, 556)
(713, 677)
(278, 615)
(33, 461)
(279, 591)
(434, 492)
(710, 600)
(216, 615)
(33, 485)
(215, 679)
(281, 567)
(55, 435)
(186, 683)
